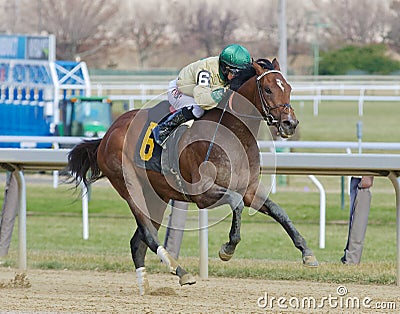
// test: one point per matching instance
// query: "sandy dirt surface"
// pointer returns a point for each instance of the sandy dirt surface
(48, 291)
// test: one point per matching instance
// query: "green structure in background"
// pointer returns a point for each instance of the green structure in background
(85, 116)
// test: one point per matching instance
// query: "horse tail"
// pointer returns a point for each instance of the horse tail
(81, 159)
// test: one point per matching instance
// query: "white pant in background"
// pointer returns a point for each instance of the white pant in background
(8, 213)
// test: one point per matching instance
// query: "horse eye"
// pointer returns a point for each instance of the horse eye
(268, 91)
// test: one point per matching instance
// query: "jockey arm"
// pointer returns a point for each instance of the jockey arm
(201, 80)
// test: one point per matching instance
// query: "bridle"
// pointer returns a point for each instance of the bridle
(271, 120)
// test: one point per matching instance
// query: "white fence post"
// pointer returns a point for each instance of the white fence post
(85, 212)
(361, 102)
(322, 210)
(203, 242)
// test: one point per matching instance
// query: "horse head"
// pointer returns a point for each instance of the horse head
(273, 101)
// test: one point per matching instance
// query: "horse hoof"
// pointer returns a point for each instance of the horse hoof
(187, 279)
(223, 255)
(310, 261)
(144, 288)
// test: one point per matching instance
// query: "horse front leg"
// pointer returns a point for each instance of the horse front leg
(228, 249)
(276, 212)
(220, 195)
(256, 197)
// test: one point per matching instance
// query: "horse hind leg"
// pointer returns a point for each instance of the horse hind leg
(138, 249)
(149, 230)
(138, 252)
(185, 278)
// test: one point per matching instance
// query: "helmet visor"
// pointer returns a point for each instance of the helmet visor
(232, 70)
(226, 69)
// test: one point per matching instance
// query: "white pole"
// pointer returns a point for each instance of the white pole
(282, 37)
(322, 210)
(396, 184)
(56, 91)
(52, 48)
(203, 242)
(273, 183)
(55, 172)
(85, 212)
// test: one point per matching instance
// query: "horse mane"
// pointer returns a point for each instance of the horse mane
(249, 72)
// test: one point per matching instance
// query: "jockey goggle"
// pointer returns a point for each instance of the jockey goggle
(233, 71)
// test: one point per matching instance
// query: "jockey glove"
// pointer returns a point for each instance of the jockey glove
(217, 94)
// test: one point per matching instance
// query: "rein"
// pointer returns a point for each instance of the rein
(266, 108)
(215, 132)
(264, 104)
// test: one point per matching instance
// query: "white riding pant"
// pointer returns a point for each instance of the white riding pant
(179, 100)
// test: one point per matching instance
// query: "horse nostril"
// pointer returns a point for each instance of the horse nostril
(290, 123)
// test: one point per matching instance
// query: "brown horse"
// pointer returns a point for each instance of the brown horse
(223, 172)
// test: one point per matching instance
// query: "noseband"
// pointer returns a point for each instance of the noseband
(271, 120)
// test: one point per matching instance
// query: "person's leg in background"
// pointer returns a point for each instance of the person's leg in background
(8, 213)
(175, 228)
(360, 203)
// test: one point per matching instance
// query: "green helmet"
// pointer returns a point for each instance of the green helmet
(233, 56)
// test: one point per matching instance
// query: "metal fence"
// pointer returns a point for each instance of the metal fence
(303, 91)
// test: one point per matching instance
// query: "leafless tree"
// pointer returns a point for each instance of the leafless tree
(353, 21)
(259, 26)
(145, 28)
(157, 30)
(394, 32)
(208, 23)
(301, 32)
(81, 27)
(13, 16)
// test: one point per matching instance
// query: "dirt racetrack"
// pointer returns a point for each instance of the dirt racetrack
(48, 291)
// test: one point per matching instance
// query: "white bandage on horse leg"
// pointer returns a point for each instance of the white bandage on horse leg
(166, 258)
(143, 283)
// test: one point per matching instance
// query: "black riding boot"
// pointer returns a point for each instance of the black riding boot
(162, 130)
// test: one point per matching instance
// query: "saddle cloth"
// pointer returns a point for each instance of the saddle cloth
(147, 151)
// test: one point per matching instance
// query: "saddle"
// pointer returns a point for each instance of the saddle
(148, 152)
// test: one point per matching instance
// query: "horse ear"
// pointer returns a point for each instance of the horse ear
(258, 68)
(275, 63)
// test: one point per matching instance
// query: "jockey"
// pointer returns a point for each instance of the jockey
(200, 86)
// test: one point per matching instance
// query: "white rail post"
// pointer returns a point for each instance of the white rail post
(322, 210)
(55, 172)
(317, 99)
(395, 181)
(85, 212)
(273, 183)
(203, 242)
(361, 102)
